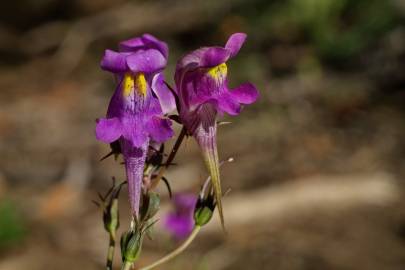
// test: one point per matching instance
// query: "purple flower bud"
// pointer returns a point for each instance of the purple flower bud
(135, 115)
(202, 87)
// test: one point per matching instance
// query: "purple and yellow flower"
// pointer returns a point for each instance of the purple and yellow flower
(202, 87)
(180, 222)
(135, 115)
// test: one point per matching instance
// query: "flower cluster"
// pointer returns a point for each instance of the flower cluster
(141, 111)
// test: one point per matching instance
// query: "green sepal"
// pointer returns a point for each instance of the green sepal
(150, 206)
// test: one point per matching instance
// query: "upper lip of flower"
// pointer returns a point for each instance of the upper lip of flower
(144, 54)
(145, 41)
(145, 61)
(206, 57)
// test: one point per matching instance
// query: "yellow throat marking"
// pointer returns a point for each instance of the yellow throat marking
(218, 72)
(140, 83)
(131, 82)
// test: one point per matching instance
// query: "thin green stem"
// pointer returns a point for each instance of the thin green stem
(126, 265)
(170, 158)
(110, 253)
(175, 252)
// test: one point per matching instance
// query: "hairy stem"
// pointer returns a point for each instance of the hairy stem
(175, 252)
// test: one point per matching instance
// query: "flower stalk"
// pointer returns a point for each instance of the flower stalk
(109, 204)
(170, 159)
(110, 253)
(126, 266)
(175, 252)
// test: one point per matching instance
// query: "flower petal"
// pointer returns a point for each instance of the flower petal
(214, 56)
(137, 138)
(189, 61)
(147, 61)
(235, 42)
(180, 222)
(153, 42)
(134, 132)
(114, 61)
(208, 113)
(147, 41)
(185, 202)
(203, 57)
(246, 93)
(165, 96)
(227, 104)
(203, 117)
(179, 226)
(108, 130)
(131, 45)
(159, 129)
(115, 106)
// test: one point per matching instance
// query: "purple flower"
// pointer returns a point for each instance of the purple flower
(135, 115)
(180, 222)
(202, 88)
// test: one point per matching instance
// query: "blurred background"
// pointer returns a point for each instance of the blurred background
(317, 181)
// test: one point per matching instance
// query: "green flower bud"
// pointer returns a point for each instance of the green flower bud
(204, 209)
(111, 216)
(202, 216)
(131, 245)
(110, 209)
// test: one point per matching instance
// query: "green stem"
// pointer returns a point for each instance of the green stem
(170, 158)
(126, 265)
(110, 254)
(175, 252)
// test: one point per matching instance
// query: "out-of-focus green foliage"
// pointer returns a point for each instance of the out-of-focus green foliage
(338, 38)
(11, 224)
(338, 29)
